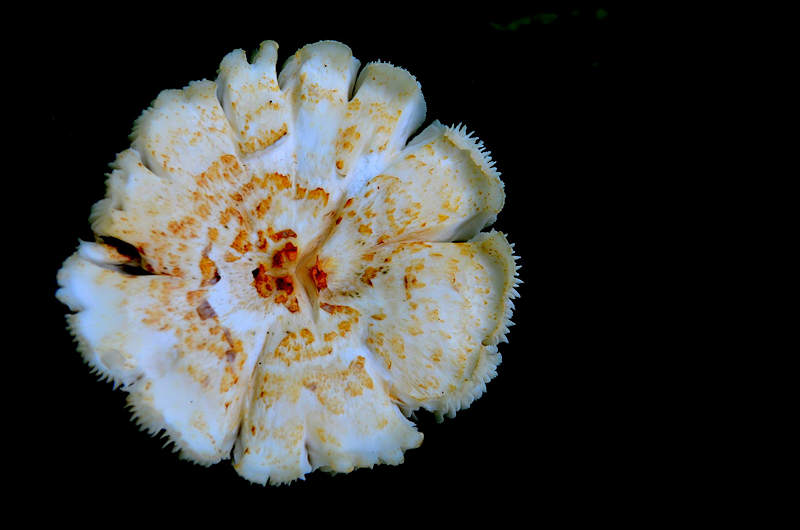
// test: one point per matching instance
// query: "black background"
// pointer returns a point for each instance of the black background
(539, 90)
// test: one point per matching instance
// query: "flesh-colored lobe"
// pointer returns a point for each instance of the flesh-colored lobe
(318, 402)
(168, 225)
(437, 311)
(439, 188)
(183, 133)
(252, 100)
(184, 354)
(386, 108)
(180, 187)
(318, 80)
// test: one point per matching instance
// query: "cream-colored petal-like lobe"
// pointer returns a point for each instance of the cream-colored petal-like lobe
(181, 187)
(173, 226)
(184, 354)
(271, 446)
(386, 109)
(441, 187)
(319, 401)
(318, 80)
(355, 423)
(184, 132)
(252, 100)
(434, 314)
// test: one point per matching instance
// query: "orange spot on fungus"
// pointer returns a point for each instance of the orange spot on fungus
(195, 297)
(292, 305)
(241, 243)
(263, 206)
(285, 284)
(283, 234)
(263, 282)
(319, 194)
(280, 181)
(285, 255)
(262, 241)
(333, 309)
(208, 271)
(369, 274)
(319, 276)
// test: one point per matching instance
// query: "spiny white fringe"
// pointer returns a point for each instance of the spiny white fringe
(147, 420)
(468, 141)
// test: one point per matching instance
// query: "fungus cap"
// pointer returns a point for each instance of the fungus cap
(281, 276)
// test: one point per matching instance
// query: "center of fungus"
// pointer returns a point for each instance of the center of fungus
(276, 286)
(274, 280)
(279, 285)
(318, 276)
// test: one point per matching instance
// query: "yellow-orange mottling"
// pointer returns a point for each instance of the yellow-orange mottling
(263, 206)
(318, 194)
(241, 244)
(278, 180)
(369, 274)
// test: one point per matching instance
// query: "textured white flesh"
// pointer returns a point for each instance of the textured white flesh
(318, 80)
(225, 179)
(252, 100)
(319, 398)
(145, 333)
(436, 315)
(436, 189)
(385, 110)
